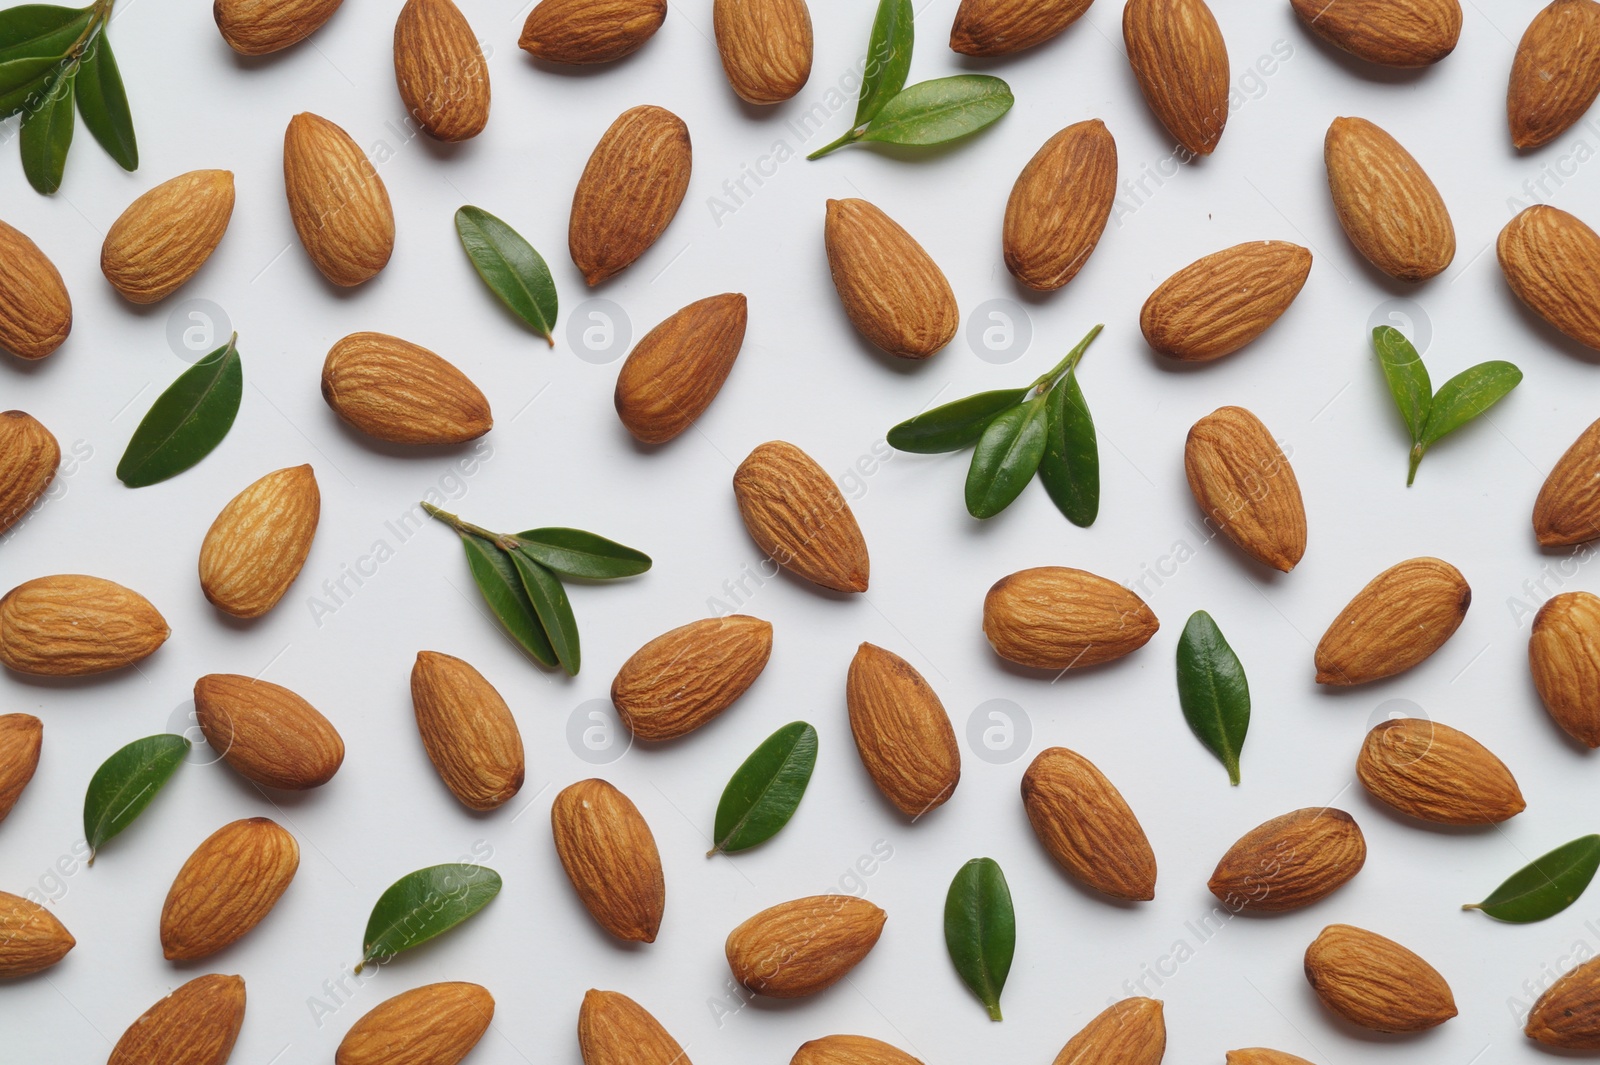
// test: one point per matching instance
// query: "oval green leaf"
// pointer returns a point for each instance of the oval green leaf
(766, 790)
(550, 603)
(1213, 691)
(496, 577)
(26, 24)
(888, 56)
(103, 103)
(945, 109)
(511, 268)
(1545, 886)
(1006, 458)
(1070, 468)
(575, 553)
(423, 904)
(187, 421)
(47, 132)
(955, 425)
(1408, 379)
(980, 930)
(125, 783)
(1467, 395)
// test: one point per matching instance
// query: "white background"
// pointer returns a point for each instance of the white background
(560, 457)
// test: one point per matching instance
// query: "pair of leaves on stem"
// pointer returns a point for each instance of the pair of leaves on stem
(423, 904)
(1545, 886)
(187, 421)
(980, 930)
(125, 784)
(765, 791)
(511, 268)
(1213, 691)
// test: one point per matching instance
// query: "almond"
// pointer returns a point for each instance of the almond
(851, 1050)
(401, 392)
(196, 1024)
(1567, 511)
(1556, 73)
(166, 235)
(610, 856)
(1244, 483)
(1060, 204)
(892, 290)
(765, 47)
(902, 731)
(1551, 260)
(1085, 824)
(797, 516)
(672, 375)
(256, 546)
(1052, 617)
(1218, 304)
(35, 310)
(259, 27)
(20, 738)
(1387, 205)
(31, 938)
(468, 731)
(1130, 1032)
(1567, 1015)
(436, 1024)
(613, 1029)
(1290, 861)
(1436, 773)
(267, 733)
(1376, 983)
(1391, 33)
(687, 676)
(337, 201)
(70, 625)
(801, 947)
(629, 192)
(29, 456)
(590, 31)
(1402, 616)
(1181, 63)
(1564, 656)
(1001, 27)
(230, 882)
(440, 70)
(1263, 1056)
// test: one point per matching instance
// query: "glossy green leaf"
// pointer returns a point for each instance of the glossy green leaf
(1407, 377)
(125, 783)
(945, 109)
(980, 930)
(765, 791)
(1070, 468)
(501, 587)
(511, 268)
(36, 26)
(423, 904)
(47, 132)
(1006, 458)
(575, 553)
(1545, 886)
(955, 425)
(888, 57)
(103, 103)
(550, 603)
(21, 98)
(1467, 395)
(1213, 690)
(187, 421)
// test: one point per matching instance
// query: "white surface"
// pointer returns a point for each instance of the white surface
(560, 457)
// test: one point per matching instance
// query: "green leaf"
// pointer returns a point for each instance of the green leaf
(423, 904)
(1467, 395)
(1545, 886)
(187, 421)
(1213, 690)
(575, 553)
(21, 98)
(125, 783)
(766, 789)
(511, 268)
(26, 71)
(1407, 377)
(1070, 469)
(980, 929)
(888, 57)
(954, 425)
(103, 103)
(36, 26)
(549, 601)
(1006, 458)
(47, 132)
(497, 580)
(933, 112)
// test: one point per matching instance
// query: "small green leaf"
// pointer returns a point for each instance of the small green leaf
(423, 904)
(497, 580)
(47, 132)
(945, 109)
(187, 421)
(26, 71)
(1467, 395)
(1213, 690)
(1006, 458)
(575, 553)
(125, 783)
(550, 603)
(888, 57)
(1070, 469)
(511, 268)
(21, 98)
(1545, 886)
(954, 425)
(1407, 377)
(980, 930)
(765, 791)
(35, 27)
(103, 103)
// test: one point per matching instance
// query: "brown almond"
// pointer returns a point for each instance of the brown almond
(1551, 260)
(798, 948)
(1388, 206)
(1436, 773)
(1181, 63)
(1567, 511)
(436, 1024)
(1567, 1015)
(70, 625)
(590, 31)
(29, 456)
(902, 731)
(1243, 481)
(440, 70)
(1130, 1032)
(765, 47)
(892, 290)
(687, 676)
(468, 731)
(1402, 616)
(260, 27)
(1002, 27)
(1053, 617)
(629, 192)
(1060, 204)
(1218, 304)
(1290, 861)
(166, 235)
(337, 201)
(1555, 76)
(673, 373)
(256, 546)
(230, 882)
(31, 939)
(1086, 825)
(851, 1050)
(267, 733)
(21, 736)
(35, 310)
(613, 1029)
(796, 514)
(1391, 33)
(1564, 656)
(1263, 1056)
(1376, 983)
(401, 392)
(197, 1024)
(610, 856)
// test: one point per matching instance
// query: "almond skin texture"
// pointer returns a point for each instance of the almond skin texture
(166, 235)
(337, 201)
(797, 516)
(1218, 304)
(629, 192)
(902, 731)
(1001, 27)
(230, 882)
(1551, 260)
(468, 731)
(1130, 1032)
(1290, 861)
(1181, 63)
(1059, 206)
(673, 373)
(70, 625)
(1556, 74)
(1263, 1056)
(29, 456)
(1085, 824)
(1388, 206)
(1376, 983)
(255, 548)
(613, 1029)
(1245, 485)
(401, 392)
(31, 938)
(1402, 616)
(590, 31)
(440, 70)
(1564, 656)
(1567, 511)
(20, 738)
(1052, 617)
(35, 311)
(1567, 1015)
(765, 47)
(196, 1024)
(1436, 773)
(259, 27)
(436, 1024)
(801, 947)
(266, 732)
(610, 856)
(851, 1050)
(1391, 33)
(687, 676)
(892, 290)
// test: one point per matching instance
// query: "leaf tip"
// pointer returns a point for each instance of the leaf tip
(994, 1011)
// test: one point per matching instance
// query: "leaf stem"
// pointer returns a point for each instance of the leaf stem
(500, 540)
(1417, 451)
(850, 137)
(1045, 381)
(994, 1012)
